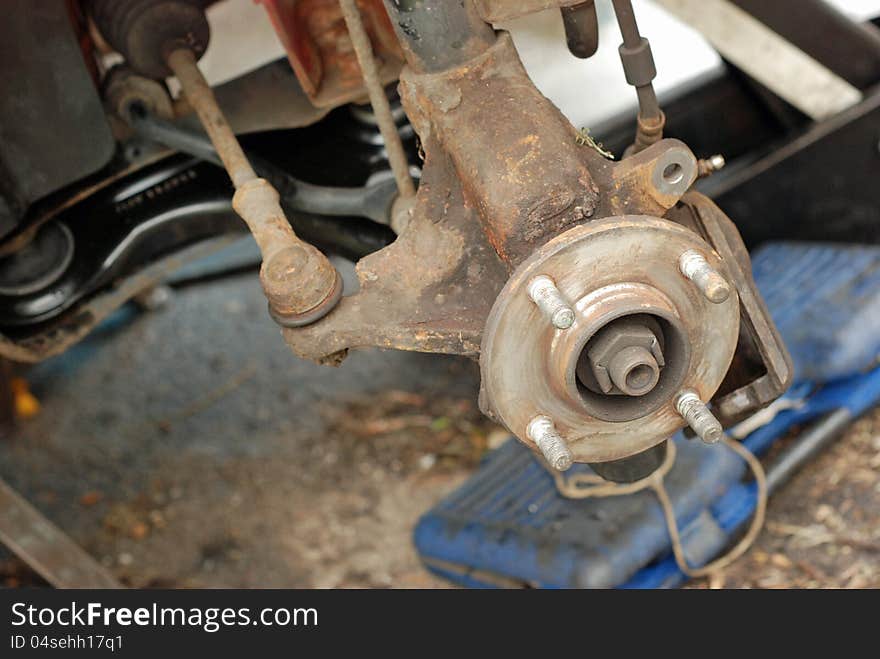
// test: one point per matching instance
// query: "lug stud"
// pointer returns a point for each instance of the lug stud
(542, 431)
(699, 417)
(695, 267)
(543, 292)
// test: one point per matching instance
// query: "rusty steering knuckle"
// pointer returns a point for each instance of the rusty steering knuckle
(570, 277)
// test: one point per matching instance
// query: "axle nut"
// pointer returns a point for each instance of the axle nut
(625, 357)
(634, 371)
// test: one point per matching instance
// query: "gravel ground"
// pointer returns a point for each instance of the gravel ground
(187, 448)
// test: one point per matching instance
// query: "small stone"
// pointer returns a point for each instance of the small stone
(157, 519)
(90, 498)
(139, 531)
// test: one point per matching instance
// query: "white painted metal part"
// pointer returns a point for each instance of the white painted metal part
(767, 57)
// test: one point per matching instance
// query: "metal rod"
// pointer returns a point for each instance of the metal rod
(807, 447)
(200, 96)
(649, 107)
(301, 284)
(373, 202)
(387, 126)
(626, 19)
(45, 548)
(164, 132)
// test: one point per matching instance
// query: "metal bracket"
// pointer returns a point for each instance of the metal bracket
(46, 548)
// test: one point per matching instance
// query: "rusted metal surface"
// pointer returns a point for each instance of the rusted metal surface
(360, 41)
(299, 281)
(762, 369)
(496, 11)
(45, 548)
(501, 158)
(613, 268)
(509, 188)
(520, 161)
(651, 181)
(200, 96)
(320, 50)
(510, 195)
(517, 156)
(430, 291)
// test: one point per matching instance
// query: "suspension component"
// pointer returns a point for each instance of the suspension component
(606, 301)
(373, 201)
(558, 269)
(360, 41)
(641, 334)
(158, 39)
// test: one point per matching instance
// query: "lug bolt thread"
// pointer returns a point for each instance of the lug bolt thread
(543, 292)
(543, 432)
(711, 283)
(699, 417)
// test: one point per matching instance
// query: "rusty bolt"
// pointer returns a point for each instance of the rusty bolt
(625, 357)
(695, 267)
(699, 417)
(542, 431)
(710, 165)
(543, 292)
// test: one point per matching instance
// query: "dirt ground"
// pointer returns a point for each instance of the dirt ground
(187, 447)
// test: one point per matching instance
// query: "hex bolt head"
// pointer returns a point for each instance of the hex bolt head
(711, 283)
(543, 292)
(699, 417)
(542, 431)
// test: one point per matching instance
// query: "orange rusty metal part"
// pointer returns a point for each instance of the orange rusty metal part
(429, 291)
(519, 159)
(504, 173)
(515, 152)
(495, 11)
(299, 281)
(320, 50)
